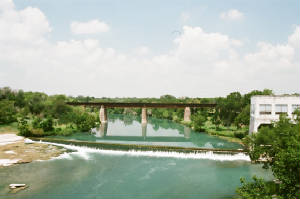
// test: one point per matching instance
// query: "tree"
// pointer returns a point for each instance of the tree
(7, 112)
(280, 147)
(36, 102)
(20, 99)
(258, 189)
(198, 121)
(243, 118)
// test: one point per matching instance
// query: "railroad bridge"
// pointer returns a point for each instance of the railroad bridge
(104, 105)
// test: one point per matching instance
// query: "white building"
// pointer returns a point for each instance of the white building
(266, 109)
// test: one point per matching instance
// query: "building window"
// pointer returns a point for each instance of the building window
(281, 108)
(295, 107)
(265, 109)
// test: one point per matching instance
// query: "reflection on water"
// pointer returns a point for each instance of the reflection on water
(129, 130)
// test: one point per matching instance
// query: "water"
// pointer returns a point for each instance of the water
(95, 173)
(129, 130)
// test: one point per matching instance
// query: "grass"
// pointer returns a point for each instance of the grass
(224, 132)
(9, 128)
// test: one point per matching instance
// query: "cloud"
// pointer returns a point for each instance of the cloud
(233, 15)
(200, 64)
(26, 26)
(90, 27)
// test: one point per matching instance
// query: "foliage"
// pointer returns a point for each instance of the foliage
(239, 134)
(7, 112)
(84, 121)
(280, 147)
(23, 128)
(47, 124)
(36, 103)
(198, 121)
(243, 118)
(65, 131)
(235, 108)
(259, 189)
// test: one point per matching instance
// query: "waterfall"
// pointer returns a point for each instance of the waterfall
(83, 152)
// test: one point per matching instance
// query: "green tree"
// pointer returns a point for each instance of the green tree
(243, 117)
(36, 102)
(47, 124)
(20, 99)
(198, 121)
(280, 147)
(7, 112)
(23, 127)
(258, 189)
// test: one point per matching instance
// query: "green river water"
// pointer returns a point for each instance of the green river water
(95, 173)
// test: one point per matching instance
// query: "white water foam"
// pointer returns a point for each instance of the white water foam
(84, 152)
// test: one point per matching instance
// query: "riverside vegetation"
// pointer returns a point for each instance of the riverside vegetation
(37, 114)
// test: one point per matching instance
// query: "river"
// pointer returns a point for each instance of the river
(96, 173)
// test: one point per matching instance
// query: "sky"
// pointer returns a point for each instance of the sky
(148, 48)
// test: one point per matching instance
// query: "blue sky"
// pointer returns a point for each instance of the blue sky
(151, 23)
(143, 48)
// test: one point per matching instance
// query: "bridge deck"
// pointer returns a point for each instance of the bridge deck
(141, 105)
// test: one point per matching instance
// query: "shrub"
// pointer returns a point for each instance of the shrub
(37, 132)
(47, 124)
(7, 112)
(239, 134)
(65, 131)
(23, 128)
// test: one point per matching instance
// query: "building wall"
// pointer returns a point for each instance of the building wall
(261, 114)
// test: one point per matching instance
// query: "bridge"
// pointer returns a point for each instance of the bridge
(144, 105)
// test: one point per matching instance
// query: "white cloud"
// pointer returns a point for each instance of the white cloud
(232, 14)
(89, 27)
(6, 5)
(200, 64)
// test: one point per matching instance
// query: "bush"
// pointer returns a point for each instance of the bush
(198, 121)
(47, 125)
(37, 132)
(23, 128)
(36, 123)
(65, 131)
(7, 112)
(258, 189)
(239, 134)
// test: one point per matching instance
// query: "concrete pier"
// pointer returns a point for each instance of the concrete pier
(144, 130)
(103, 114)
(187, 114)
(103, 129)
(187, 132)
(144, 115)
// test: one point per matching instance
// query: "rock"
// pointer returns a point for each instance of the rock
(28, 141)
(14, 186)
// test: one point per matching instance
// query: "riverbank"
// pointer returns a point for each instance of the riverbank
(222, 132)
(19, 150)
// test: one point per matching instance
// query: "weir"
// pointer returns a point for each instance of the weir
(128, 147)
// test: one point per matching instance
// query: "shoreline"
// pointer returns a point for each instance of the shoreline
(19, 150)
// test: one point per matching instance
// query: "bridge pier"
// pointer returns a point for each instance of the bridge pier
(144, 115)
(187, 132)
(144, 130)
(103, 114)
(187, 114)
